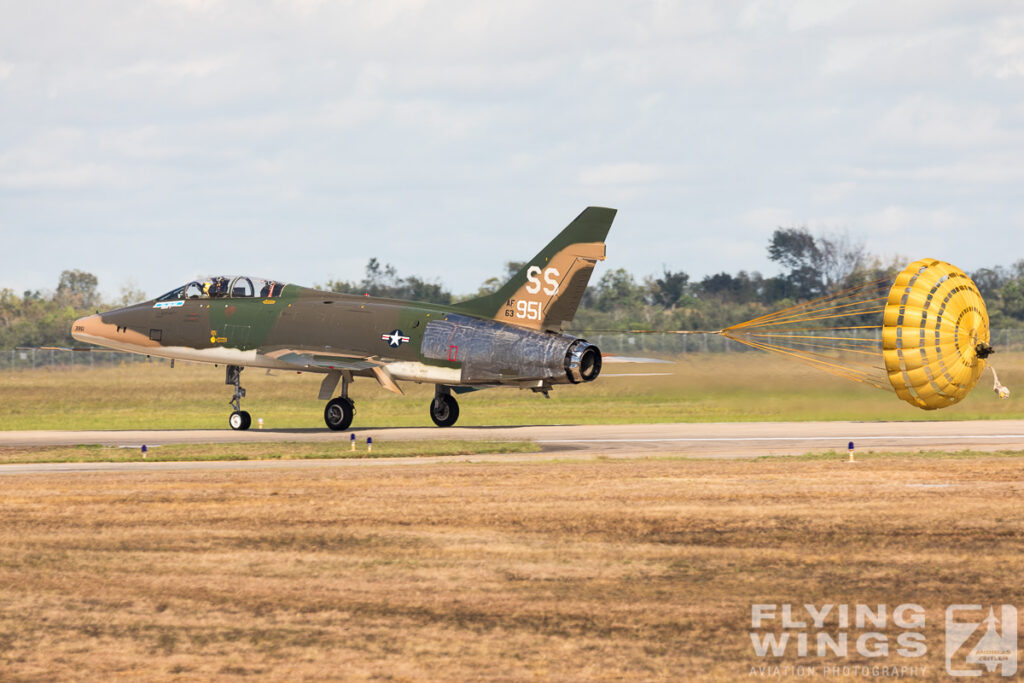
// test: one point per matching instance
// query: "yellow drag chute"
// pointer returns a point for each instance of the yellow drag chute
(935, 335)
(924, 335)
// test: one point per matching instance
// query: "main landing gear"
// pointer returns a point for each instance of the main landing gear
(338, 412)
(240, 419)
(444, 409)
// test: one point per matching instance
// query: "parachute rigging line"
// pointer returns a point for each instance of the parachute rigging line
(924, 335)
(839, 333)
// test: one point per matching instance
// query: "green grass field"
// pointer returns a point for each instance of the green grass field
(702, 388)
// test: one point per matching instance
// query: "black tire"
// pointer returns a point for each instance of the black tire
(338, 414)
(444, 410)
(240, 420)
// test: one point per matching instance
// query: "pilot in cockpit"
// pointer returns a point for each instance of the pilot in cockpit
(217, 288)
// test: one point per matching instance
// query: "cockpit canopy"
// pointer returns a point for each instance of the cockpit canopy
(226, 286)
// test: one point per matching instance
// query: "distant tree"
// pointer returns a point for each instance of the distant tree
(669, 290)
(817, 265)
(875, 268)
(415, 289)
(1012, 298)
(380, 279)
(617, 290)
(797, 250)
(739, 288)
(841, 258)
(77, 288)
(493, 284)
(990, 281)
(794, 248)
(130, 294)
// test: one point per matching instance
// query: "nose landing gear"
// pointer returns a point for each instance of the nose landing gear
(240, 419)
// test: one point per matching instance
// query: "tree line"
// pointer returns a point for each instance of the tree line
(811, 266)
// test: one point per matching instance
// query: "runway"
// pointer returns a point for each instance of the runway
(697, 440)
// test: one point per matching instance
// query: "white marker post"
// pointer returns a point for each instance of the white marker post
(352, 440)
(369, 444)
(260, 421)
(851, 453)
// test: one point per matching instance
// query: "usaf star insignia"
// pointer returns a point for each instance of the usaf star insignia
(395, 338)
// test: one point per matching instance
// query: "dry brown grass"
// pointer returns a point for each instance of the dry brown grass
(556, 571)
(284, 450)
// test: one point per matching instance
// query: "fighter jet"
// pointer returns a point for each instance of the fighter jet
(510, 338)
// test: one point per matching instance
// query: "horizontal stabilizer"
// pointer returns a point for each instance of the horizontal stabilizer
(611, 358)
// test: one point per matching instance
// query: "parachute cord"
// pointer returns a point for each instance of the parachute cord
(1001, 391)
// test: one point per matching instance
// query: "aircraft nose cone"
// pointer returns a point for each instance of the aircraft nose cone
(90, 328)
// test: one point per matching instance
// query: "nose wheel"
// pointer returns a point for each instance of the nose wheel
(240, 419)
(444, 409)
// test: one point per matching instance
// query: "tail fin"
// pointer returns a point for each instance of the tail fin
(545, 293)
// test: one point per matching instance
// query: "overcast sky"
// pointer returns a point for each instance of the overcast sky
(153, 141)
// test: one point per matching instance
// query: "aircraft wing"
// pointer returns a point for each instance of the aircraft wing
(335, 366)
(320, 363)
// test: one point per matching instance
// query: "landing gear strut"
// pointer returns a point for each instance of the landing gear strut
(338, 412)
(239, 419)
(444, 409)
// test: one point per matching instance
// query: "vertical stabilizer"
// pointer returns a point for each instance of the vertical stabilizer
(545, 293)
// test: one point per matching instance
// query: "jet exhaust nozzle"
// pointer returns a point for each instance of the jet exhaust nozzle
(582, 362)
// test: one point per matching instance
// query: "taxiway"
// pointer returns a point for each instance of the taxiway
(698, 440)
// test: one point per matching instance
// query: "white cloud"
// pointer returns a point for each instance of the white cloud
(76, 176)
(830, 193)
(620, 174)
(903, 219)
(339, 121)
(984, 170)
(931, 122)
(195, 5)
(1002, 52)
(767, 218)
(196, 68)
(795, 16)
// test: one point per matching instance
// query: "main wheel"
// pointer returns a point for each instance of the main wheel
(240, 419)
(338, 413)
(444, 410)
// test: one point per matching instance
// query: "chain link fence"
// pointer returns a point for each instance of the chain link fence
(25, 358)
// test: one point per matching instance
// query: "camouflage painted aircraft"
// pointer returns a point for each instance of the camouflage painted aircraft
(510, 338)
